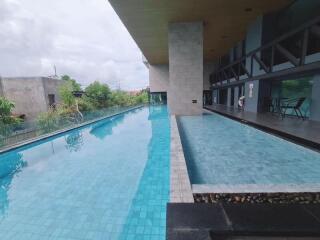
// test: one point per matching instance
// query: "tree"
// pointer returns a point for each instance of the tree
(66, 95)
(142, 97)
(99, 94)
(67, 88)
(73, 83)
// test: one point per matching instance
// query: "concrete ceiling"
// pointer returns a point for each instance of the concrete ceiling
(225, 22)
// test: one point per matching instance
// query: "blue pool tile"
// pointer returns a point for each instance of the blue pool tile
(219, 150)
(109, 180)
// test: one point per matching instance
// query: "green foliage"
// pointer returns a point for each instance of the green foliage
(72, 82)
(54, 119)
(65, 92)
(142, 97)
(7, 121)
(99, 94)
(122, 98)
(5, 111)
(85, 104)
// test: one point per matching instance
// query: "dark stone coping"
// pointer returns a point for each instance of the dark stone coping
(211, 221)
(295, 139)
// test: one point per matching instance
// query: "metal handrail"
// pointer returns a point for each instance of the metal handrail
(273, 44)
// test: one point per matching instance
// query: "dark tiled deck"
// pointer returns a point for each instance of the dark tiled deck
(236, 221)
(303, 132)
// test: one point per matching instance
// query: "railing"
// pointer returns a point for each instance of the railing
(17, 133)
(272, 54)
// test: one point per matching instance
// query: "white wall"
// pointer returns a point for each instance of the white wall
(159, 78)
(185, 68)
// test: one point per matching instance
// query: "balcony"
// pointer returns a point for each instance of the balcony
(292, 53)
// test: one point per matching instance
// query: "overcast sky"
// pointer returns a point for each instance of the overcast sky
(83, 38)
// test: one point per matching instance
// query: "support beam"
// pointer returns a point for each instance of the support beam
(245, 69)
(305, 69)
(304, 46)
(287, 54)
(261, 63)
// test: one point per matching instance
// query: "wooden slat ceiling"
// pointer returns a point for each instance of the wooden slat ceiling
(225, 22)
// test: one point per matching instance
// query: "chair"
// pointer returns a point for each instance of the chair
(294, 104)
(268, 105)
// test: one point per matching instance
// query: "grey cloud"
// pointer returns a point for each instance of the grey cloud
(83, 38)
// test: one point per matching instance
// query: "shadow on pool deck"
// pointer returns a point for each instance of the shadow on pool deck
(302, 132)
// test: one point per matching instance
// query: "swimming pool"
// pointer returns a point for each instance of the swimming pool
(108, 180)
(221, 151)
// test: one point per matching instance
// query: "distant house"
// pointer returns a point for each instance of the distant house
(134, 92)
(31, 95)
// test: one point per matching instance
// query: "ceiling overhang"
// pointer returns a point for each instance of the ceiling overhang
(225, 22)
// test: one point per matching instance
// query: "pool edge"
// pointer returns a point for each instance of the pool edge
(180, 186)
(62, 131)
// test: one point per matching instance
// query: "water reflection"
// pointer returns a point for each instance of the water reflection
(103, 129)
(74, 141)
(10, 164)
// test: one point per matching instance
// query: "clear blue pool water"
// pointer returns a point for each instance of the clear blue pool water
(109, 180)
(219, 150)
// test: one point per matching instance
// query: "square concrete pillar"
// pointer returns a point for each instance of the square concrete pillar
(252, 96)
(159, 78)
(229, 97)
(185, 68)
(236, 97)
(315, 99)
(215, 96)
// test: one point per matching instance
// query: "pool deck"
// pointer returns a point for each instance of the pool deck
(180, 187)
(243, 221)
(227, 221)
(296, 130)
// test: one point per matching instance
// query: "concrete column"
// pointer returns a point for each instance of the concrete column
(251, 96)
(185, 68)
(229, 97)
(236, 96)
(159, 78)
(315, 99)
(253, 41)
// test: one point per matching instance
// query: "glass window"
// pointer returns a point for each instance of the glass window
(158, 98)
(293, 89)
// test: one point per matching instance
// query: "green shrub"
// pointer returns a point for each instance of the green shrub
(54, 119)
(98, 94)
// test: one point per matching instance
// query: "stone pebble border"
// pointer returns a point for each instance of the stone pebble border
(254, 198)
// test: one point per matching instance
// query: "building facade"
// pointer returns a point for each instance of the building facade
(214, 52)
(278, 59)
(31, 95)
